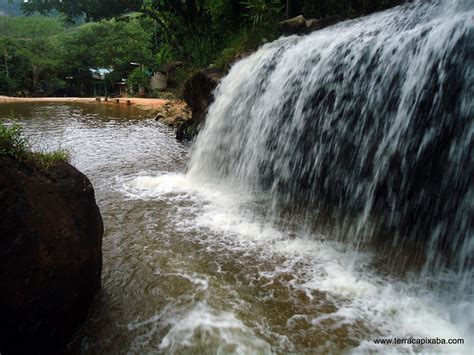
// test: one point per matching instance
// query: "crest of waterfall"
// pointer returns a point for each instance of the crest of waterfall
(368, 122)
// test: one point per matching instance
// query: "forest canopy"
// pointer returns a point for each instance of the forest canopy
(52, 49)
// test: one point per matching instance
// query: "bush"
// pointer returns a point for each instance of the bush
(137, 78)
(11, 141)
(46, 160)
(244, 41)
(13, 144)
(262, 11)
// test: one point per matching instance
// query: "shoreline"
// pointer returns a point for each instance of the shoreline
(169, 111)
(145, 102)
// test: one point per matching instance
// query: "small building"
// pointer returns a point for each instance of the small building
(99, 84)
(121, 87)
(158, 81)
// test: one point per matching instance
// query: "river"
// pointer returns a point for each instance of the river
(195, 267)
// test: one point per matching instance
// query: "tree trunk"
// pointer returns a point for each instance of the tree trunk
(154, 15)
(35, 78)
(5, 55)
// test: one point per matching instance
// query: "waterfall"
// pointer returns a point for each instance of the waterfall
(366, 124)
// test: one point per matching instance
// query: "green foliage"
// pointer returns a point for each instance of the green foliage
(13, 144)
(262, 11)
(219, 9)
(46, 160)
(39, 53)
(164, 54)
(107, 44)
(244, 41)
(30, 28)
(200, 51)
(11, 141)
(30, 48)
(7, 83)
(137, 78)
(91, 10)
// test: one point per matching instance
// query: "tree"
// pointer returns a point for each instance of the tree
(105, 44)
(32, 43)
(137, 79)
(42, 55)
(5, 73)
(92, 10)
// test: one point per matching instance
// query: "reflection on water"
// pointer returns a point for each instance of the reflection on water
(193, 268)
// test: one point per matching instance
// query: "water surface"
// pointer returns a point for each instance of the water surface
(195, 267)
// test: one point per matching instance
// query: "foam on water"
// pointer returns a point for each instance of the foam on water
(367, 124)
(217, 332)
(387, 307)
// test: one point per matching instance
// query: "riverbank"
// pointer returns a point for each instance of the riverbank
(171, 112)
(9, 99)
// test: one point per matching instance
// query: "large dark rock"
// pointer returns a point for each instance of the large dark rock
(293, 25)
(299, 25)
(50, 255)
(198, 94)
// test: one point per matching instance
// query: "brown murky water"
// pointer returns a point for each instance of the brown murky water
(192, 267)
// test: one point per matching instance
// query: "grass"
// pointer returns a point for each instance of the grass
(248, 39)
(46, 160)
(13, 144)
(222, 55)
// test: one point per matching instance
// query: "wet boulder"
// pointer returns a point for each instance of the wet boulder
(50, 255)
(198, 94)
(300, 25)
(293, 25)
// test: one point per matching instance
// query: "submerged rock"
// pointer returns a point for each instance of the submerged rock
(50, 255)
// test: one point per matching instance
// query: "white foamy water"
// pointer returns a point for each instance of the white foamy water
(221, 333)
(369, 305)
(354, 144)
(367, 123)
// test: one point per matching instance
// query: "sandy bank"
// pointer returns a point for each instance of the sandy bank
(148, 103)
(7, 99)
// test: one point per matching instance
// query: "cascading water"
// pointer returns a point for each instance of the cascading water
(314, 147)
(367, 124)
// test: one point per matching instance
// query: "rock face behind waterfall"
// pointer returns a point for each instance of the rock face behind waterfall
(198, 94)
(50, 255)
(366, 124)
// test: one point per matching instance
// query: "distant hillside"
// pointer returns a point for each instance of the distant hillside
(7, 9)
